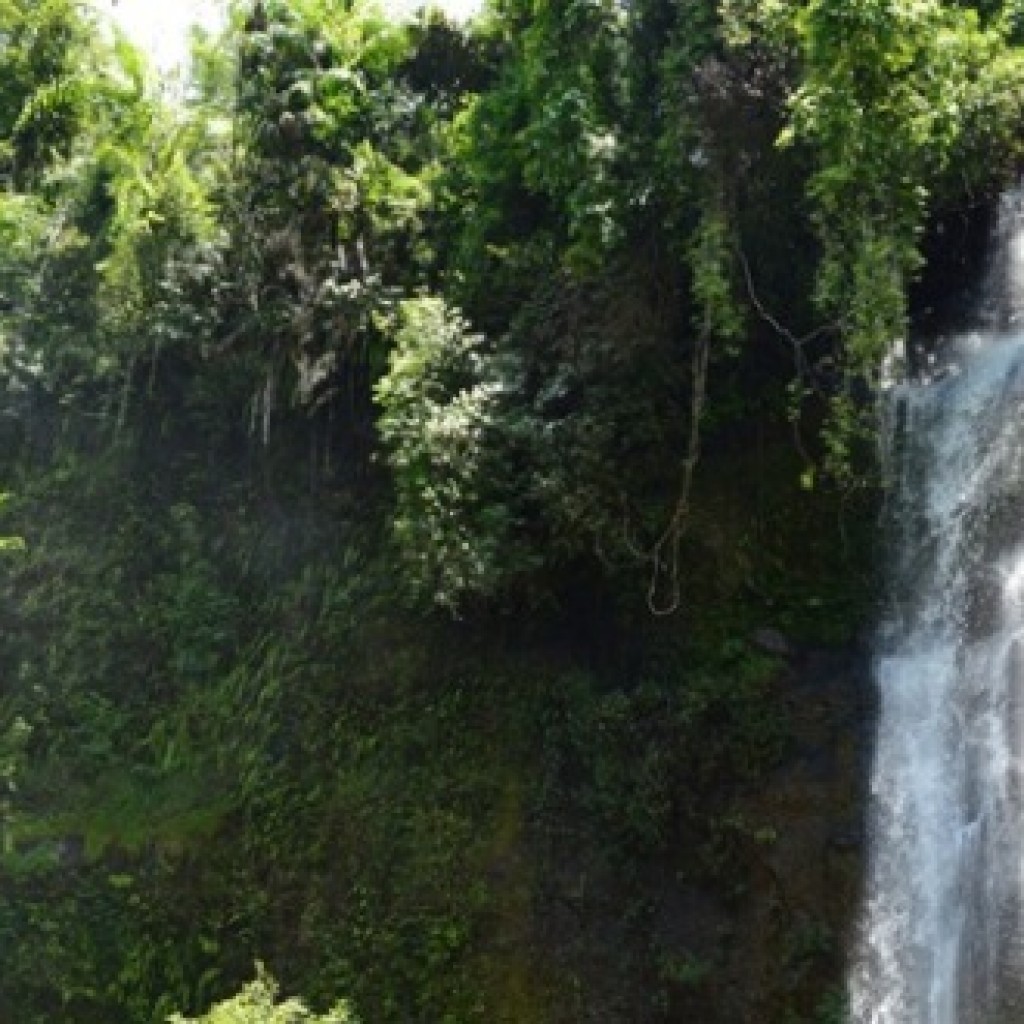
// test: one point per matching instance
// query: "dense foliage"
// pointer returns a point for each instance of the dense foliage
(359, 408)
(257, 1003)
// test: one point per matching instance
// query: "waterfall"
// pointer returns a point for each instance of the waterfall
(940, 938)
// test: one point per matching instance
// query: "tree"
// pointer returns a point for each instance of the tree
(46, 65)
(323, 214)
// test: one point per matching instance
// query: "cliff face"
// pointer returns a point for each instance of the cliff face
(799, 924)
(745, 914)
(596, 870)
(248, 749)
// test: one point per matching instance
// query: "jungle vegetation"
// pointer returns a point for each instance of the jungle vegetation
(405, 430)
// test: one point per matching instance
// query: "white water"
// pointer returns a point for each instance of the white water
(941, 938)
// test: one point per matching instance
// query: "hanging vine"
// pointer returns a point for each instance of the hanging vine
(717, 318)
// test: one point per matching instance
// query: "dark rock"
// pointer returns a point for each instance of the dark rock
(847, 839)
(771, 641)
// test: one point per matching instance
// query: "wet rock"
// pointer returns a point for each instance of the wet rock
(771, 641)
(847, 840)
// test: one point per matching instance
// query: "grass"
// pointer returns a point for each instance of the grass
(128, 811)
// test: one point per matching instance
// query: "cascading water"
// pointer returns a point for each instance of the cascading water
(941, 939)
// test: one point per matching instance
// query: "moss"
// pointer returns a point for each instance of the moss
(507, 963)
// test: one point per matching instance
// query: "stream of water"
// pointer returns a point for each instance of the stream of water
(940, 940)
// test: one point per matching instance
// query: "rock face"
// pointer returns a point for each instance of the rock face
(781, 939)
(816, 803)
(673, 841)
(744, 916)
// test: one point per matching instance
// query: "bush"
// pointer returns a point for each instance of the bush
(257, 1004)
